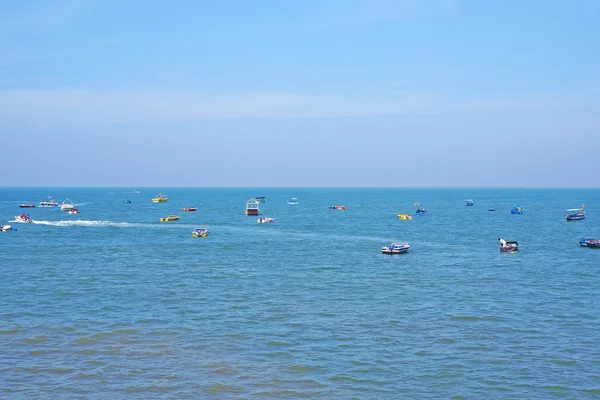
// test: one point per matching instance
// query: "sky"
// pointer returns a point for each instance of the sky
(365, 93)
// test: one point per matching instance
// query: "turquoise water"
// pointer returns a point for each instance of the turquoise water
(113, 303)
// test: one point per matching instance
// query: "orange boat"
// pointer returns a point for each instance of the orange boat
(189, 209)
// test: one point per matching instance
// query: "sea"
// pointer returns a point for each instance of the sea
(113, 303)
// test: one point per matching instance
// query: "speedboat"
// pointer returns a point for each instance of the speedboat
(67, 205)
(48, 203)
(188, 209)
(508, 247)
(23, 218)
(404, 216)
(420, 211)
(337, 207)
(469, 203)
(395, 248)
(261, 199)
(491, 209)
(160, 198)
(252, 207)
(293, 200)
(200, 232)
(574, 214)
(265, 220)
(74, 211)
(517, 209)
(170, 218)
(27, 205)
(127, 202)
(6, 228)
(593, 243)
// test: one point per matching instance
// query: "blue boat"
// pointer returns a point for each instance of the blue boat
(592, 243)
(574, 214)
(396, 248)
(492, 209)
(469, 203)
(517, 209)
(420, 211)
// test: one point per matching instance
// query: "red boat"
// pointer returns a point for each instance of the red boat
(27, 205)
(189, 209)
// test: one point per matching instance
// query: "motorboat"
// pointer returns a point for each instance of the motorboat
(574, 214)
(517, 209)
(67, 205)
(48, 203)
(404, 216)
(252, 207)
(126, 201)
(265, 220)
(200, 232)
(170, 218)
(469, 203)
(337, 207)
(23, 218)
(160, 198)
(74, 211)
(395, 248)
(420, 211)
(188, 209)
(491, 209)
(261, 199)
(592, 243)
(508, 247)
(6, 228)
(292, 200)
(27, 205)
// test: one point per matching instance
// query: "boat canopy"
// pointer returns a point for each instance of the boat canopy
(574, 210)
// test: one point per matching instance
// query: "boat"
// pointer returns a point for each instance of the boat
(574, 214)
(261, 199)
(170, 218)
(188, 209)
(160, 198)
(265, 220)
(491, 209)
(23, 218)
(592, 243)
(420, 211)
(200, 232)
(67, 205)
(469, 203)
(48, 203)
(404, 216)
(252, 207)
(6, 228)
(292, 200)
(395, 248)
(517, 209)
(508, 247)
(27, 205)
(337, 207)
(127, 202)
(74, 211)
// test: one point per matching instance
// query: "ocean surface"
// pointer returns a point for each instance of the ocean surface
(112, 303)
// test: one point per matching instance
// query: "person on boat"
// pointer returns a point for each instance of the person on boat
(502, 242)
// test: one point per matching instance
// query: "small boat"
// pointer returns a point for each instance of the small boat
(252, 207)
(517, 209)
(508, 247)
(337, 207)
(200, 232)
(469, 203)
(261, 199)
(420, 211)
(575, 214)
(404, 216)
(395, 248)
(491, 209)
(592, 243)
(27, 205)
(293, 200)
(74, 211)
(23, 218)
(6, 228)
(67, 205)
(48, 203)
(160, 198)
(170, 218)
(127, 202)
(188, 209)
(265, 220)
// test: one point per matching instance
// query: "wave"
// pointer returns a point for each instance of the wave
(78, 223)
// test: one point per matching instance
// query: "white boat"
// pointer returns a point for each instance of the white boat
(200, 232)
(73, 211)
(48, 203)
(293, 200)
(23, 218)
(67, 205)
(395, 248)
(6, 228)
(265, 220)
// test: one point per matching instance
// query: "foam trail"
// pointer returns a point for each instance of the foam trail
(77, 223)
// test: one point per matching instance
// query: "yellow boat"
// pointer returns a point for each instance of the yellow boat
(160, 198)
(404, 216)
(170, 218)
(200, 232)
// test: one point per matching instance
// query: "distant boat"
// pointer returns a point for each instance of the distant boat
(261, 199)
(67, 205)
(396, 248)
(160, 198)
(170, 218)
(517, 209)
(574, 214)
(469, 203)
(48, 203)
(509, 247)
(264, 220)
(188, 209)
(492, 209)
(591, 243)
(73, 211)
(293, 200)
(337, 207)
(404, 216)
(27, 205)
(252, 207)
(420, 211)
(200, 232)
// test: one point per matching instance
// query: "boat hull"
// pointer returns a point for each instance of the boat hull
(591, 243)
(252, 211)
(574, 217)
(26, 205)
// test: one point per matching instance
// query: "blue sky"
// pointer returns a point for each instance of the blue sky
(449, 93)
